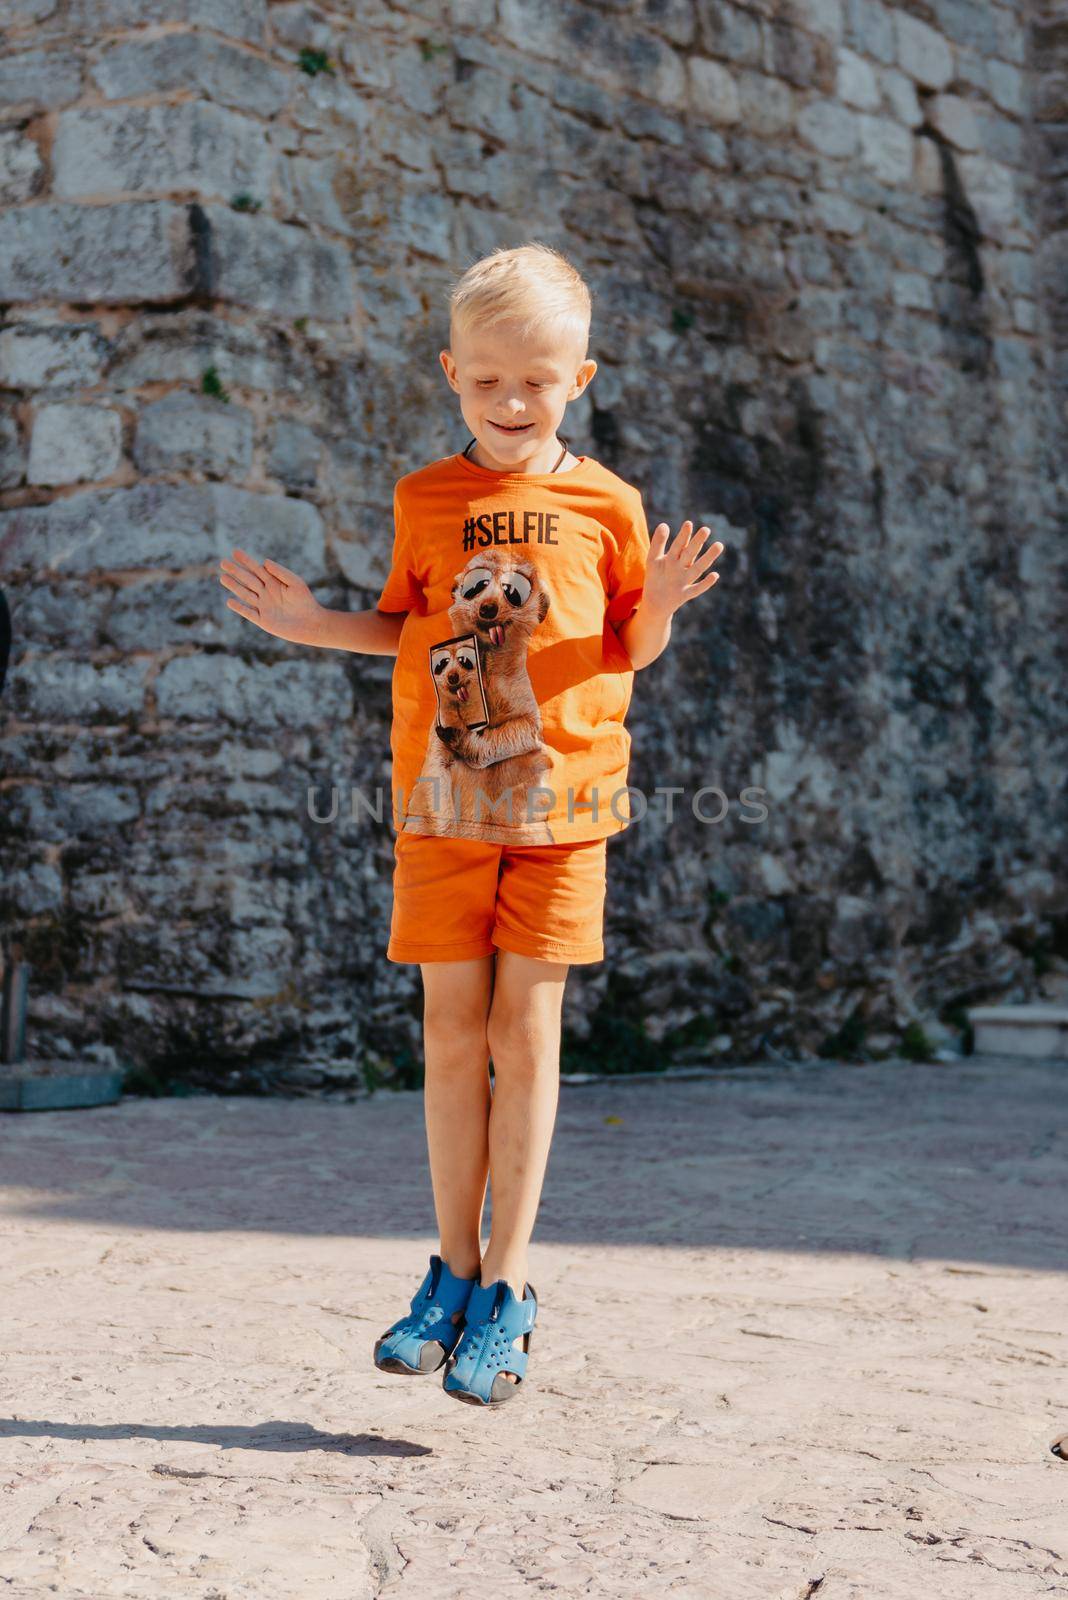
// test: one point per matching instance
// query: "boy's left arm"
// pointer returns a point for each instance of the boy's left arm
(672, 577)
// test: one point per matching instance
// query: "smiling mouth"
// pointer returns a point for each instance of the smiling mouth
(502, 428)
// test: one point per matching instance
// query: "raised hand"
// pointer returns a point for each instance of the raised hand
(682, 573)
(272, 597)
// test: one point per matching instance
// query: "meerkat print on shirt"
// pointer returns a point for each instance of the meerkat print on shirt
(511, 684)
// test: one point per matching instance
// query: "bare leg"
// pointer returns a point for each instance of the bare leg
(524, 1041)
(456, 1099)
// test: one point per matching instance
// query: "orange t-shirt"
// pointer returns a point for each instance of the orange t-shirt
(511, 685)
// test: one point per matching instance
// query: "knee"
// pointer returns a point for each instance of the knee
(451, 1035)
(517, 1043)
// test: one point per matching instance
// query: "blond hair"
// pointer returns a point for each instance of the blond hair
(532, 285)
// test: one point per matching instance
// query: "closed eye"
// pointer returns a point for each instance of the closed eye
(487, 383)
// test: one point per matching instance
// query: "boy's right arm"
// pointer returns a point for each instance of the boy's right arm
(372, 633)
(280, 602)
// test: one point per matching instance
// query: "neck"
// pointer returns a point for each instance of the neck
(548, 459)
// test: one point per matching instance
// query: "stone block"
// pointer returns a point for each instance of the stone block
(179, 347)
(313, 188)
(273, 267)
(53, 689)
(237, 19)
(229, 77)
(12, 452)
(364, 56)
(50, 812)
(869, 28)
(195, 146)
(118, 254)
(161, 525)
(799, 58)
(955, 120)
(991, 188)
(713, 91)
(21, 168)
(164, 613)
(768, 106)
(34, 890)
(60, 356)
(922, 52)
(828, 127)
(899, 94)
(74, 444)
(283, 694)
(21, 13)
(885, 149)
(194, 433)
(729, 33)
(1008, 87)
(67, 609)
(824, 17)
(913, 291)
(295, 452)
(856, 83)
(39, 80)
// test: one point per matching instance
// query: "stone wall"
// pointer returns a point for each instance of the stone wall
(826, 242)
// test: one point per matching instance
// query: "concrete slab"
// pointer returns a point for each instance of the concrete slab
(56, 1086)
(801, 1334)
(1038, 1030)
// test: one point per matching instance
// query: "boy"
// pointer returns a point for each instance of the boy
(524, 593)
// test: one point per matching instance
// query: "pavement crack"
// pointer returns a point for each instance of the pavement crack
(797, 1527)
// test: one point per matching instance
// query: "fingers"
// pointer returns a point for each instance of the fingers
(705, 559)
(243, 611)
(247, 561)
(283, 574)
(687, 548)
(239, 587)
(707, 582)
(246, 571)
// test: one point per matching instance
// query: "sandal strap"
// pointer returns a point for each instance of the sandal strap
(431, 1309)
(494, 1320)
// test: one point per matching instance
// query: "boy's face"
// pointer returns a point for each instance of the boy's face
(513, 392)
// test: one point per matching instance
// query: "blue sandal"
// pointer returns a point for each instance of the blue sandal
(493, 1320)
(422, 1340)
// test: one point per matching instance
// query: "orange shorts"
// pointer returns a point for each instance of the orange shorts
(455, 899)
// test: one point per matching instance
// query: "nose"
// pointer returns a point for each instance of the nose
(488, 608)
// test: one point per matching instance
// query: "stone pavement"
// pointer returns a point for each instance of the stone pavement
(802, 1333)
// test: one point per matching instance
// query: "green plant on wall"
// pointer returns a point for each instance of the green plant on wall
(615, 1045)
(211, 383)
(915, 1045)
(245, 202)
(314, 61)
(849, 1039)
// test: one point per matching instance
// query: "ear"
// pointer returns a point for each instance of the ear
(583, 379)
(449, 365)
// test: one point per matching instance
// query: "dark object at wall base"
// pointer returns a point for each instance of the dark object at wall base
(56, 1086)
